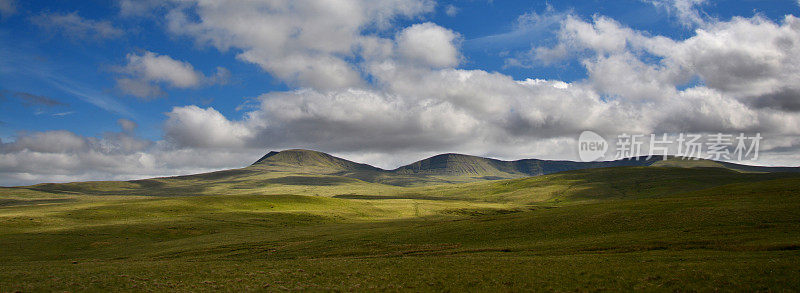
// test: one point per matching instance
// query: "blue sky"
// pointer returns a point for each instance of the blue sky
(62, 64)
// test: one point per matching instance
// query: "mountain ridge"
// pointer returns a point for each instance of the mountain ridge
(299, 167)
(458, 168)
(310, 159)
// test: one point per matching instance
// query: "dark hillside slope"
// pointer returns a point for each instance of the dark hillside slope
(485, 168)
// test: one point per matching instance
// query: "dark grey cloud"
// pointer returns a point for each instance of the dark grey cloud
(30, 99)
(786, 99)
(38, 100)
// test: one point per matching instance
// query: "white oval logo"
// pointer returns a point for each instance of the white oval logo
(591, 146)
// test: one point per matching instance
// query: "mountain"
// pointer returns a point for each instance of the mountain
(439, 169)
(461, 165)
(310, 160)
(442, 169)
(479, 168)
(702, 226)
(458, 165)
(303, 171)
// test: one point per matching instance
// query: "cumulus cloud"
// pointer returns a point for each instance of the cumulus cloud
(753, 60)
(74, 26)
(729, 76)
(203, 128)
(144, 73)
(305, 43)
(637, 83)
(64, 156)
(60, 141)
(162, 68)
(451, 10)
(574, 35)
(467, 110)
(744, 57)
(601, 36)
(429, 44)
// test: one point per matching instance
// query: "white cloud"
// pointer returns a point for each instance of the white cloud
(303, 43)
(420, 110)
(735, 76)
(753, 60)
(74, 26)
(602, 36)
(59, 141)
(95, 163)
(162, 68)
(417, 109)
(685, 10)
(451, 10)
(204, 128)
(744, 57)
(63, 156)
(429, 44)
(143, 74)
(529, 28)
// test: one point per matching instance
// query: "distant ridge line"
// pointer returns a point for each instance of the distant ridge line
(476, 166)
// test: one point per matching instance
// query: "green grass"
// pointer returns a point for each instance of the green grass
(615, 229)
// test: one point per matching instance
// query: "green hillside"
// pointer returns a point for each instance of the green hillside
(306, 220)
(315, 173)
(310, 161)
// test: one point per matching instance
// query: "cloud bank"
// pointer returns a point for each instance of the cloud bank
(144, 73)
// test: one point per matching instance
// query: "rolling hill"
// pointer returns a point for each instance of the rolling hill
(312, 172)
(304, 220)
(310, 161)
(453, 168)
(289, 223)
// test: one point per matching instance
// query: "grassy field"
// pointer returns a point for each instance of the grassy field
(612, 229)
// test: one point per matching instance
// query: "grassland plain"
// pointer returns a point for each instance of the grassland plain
(282, 228)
